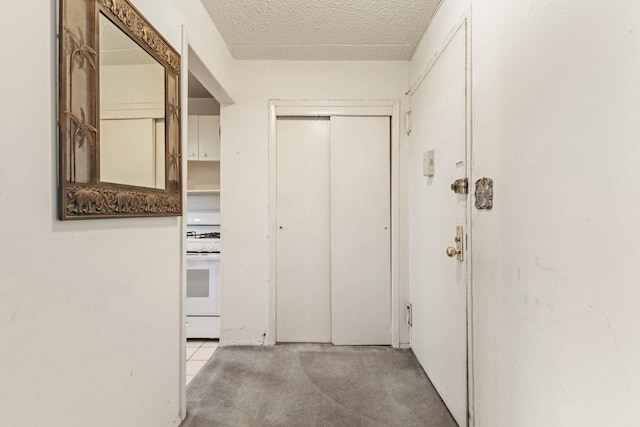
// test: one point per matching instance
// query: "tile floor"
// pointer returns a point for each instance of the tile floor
(198, 352)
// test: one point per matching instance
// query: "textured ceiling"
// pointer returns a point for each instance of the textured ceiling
(321, 29)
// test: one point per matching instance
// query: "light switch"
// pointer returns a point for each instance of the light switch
(428, 163)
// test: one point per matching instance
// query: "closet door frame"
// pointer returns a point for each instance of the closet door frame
(327, 108)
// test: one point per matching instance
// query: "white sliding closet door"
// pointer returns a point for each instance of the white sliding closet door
(303, 290)
(360, 231)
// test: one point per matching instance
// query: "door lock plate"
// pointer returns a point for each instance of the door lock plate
(460, 186)
(459, 243)
(459, 248)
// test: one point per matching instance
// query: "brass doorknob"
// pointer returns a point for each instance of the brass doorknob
(451, 252)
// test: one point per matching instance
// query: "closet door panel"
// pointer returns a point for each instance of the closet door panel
(303, 292)
(360, 231)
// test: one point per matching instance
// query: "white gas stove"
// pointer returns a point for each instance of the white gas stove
(203, 274)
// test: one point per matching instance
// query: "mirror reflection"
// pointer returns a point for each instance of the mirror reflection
(132, 111)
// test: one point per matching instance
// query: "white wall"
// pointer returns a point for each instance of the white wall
(447, 16)
(556, 105)
(244, 171)
(168, 17)
(89, 310)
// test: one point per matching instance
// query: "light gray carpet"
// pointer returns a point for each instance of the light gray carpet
(313, 385)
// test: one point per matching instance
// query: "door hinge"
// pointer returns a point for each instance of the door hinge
(408, 122)
(410, 314)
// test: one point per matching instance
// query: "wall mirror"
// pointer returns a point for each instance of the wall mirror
(118, 114)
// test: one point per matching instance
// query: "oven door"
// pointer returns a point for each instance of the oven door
(203, 285)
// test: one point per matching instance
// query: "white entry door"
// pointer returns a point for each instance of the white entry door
(303, 271)
(439, 283)
(333, 278)
(360, 231)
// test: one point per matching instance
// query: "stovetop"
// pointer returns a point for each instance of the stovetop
(203, 235)
(203, 241)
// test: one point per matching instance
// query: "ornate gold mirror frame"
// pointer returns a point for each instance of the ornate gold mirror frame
(82, 193)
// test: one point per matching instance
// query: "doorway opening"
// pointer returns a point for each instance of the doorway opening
(203, 227)
(204, 95)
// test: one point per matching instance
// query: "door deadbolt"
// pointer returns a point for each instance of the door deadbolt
(460, 186)
(459, 248)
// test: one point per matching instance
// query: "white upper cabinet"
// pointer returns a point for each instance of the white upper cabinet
(204, 138)
(192, 138)
(209, 137)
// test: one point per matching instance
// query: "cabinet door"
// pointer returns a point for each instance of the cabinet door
(209, 141)
(192, 139)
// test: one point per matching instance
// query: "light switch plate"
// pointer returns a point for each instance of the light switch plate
(428, 163)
